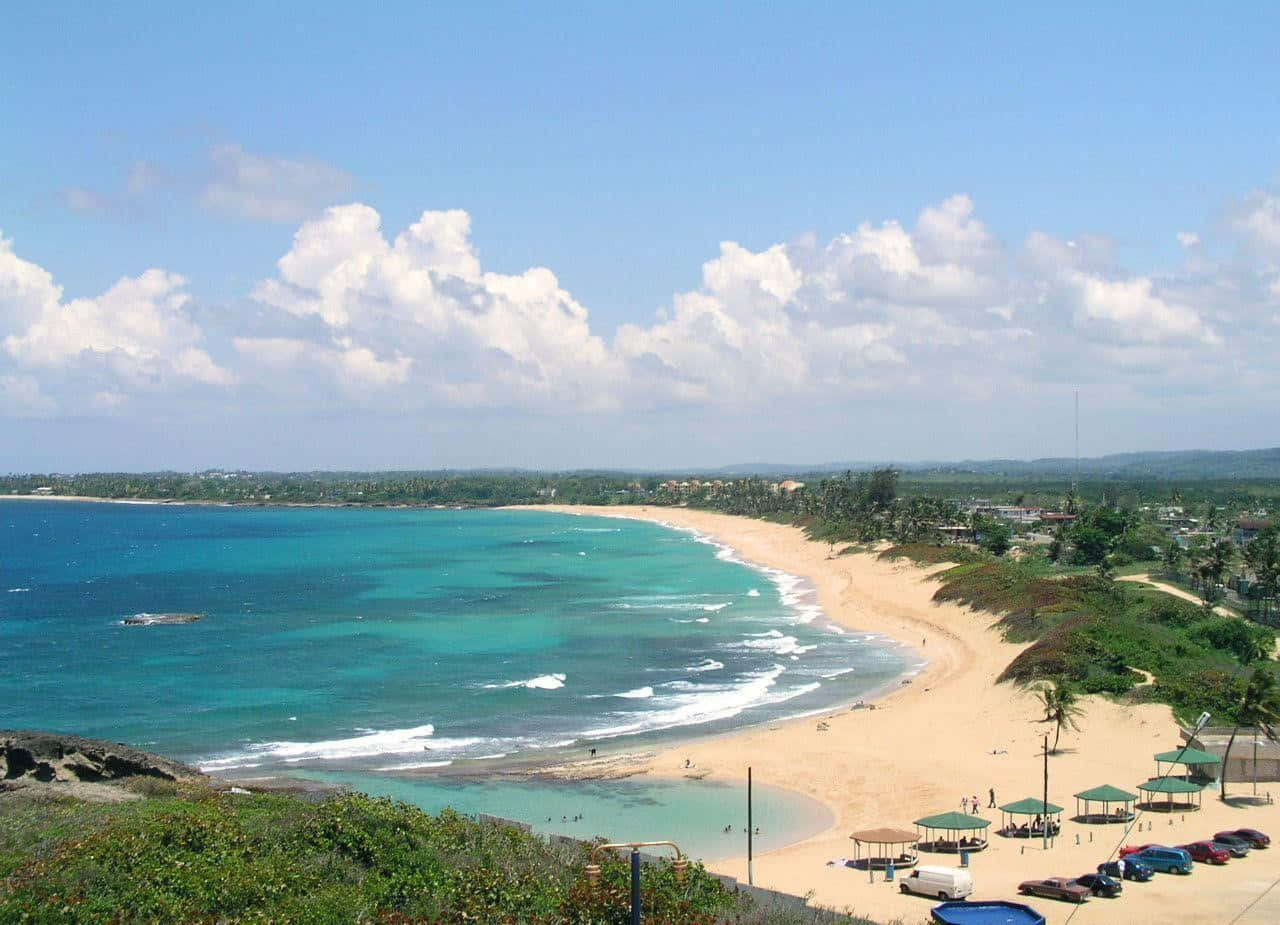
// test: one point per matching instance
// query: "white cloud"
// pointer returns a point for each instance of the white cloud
(1257, 219)
(419, 311)
(903, 315)
(267, 188)
(1134, 312)
(141, 180)
(20, 397)
(136, 334)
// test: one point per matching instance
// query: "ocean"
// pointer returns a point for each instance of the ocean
(387, 642)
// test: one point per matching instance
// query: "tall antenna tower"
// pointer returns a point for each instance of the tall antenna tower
(1075, 482)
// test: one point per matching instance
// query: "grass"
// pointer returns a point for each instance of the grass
(187, 854)
(1093, 631)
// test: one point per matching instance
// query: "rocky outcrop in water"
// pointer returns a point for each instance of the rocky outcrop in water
(161, 619)
(46, 757)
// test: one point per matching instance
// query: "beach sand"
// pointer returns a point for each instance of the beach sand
(953, 731)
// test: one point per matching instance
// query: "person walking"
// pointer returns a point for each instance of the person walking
(964, 804)
(991, 804)
(973, 803)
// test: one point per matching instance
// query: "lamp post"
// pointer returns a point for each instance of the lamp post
(680, 865)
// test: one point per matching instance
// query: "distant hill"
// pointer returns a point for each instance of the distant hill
(1176, 464)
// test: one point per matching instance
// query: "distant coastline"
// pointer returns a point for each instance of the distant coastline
(202, 502)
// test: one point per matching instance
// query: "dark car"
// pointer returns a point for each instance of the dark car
(1207, 852)
(1100, 884)
(1129, 870)
(1055, 888)
(1252, 836)
(1233, 843)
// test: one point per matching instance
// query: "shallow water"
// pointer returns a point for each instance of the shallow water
(693, 814)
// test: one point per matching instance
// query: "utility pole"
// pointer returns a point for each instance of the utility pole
(751, 869)
(1044, 805)
(1075, 482)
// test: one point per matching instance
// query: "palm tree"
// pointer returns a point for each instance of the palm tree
(1259, 707)
(1061, 707)
(1218, 557)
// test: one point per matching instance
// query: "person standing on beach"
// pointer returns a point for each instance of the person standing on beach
(973, 802)
(992, 791)
(964, 804)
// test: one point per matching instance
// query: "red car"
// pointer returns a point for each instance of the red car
(1206, 852)
(1134, 849)
(1252, 836)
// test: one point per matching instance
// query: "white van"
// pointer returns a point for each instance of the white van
(942, 882)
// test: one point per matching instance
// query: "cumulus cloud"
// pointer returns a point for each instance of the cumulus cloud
(268, 188)
(412, 323)
(419, 311)
(136, 335)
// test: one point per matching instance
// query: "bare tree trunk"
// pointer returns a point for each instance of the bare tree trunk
(1222, 780)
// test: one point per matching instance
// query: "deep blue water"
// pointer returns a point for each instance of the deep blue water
(376, 640)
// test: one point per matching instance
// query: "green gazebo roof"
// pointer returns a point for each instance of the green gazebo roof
(1169, 785)
(953, 821)
(1031, 806)
(1188, 756)
(1107, 794)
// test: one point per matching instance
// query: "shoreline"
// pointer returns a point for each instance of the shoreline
(951, 732)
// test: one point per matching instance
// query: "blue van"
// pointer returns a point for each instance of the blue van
(1166, 860)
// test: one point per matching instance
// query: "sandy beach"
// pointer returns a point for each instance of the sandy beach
(954, 732)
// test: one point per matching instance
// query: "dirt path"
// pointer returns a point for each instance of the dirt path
(1146, 579)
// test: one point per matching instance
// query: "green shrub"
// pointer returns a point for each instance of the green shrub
(351, 858)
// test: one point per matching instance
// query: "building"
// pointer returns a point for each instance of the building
(1254, 757)
(1247, 528)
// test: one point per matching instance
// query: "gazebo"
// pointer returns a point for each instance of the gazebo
(1198, 764)
(1171, 786)
(943, 832)
(884, 847)
(1044, 813)
(1106, 795)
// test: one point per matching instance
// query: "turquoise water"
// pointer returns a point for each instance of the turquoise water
(693, 814)
(381, 641)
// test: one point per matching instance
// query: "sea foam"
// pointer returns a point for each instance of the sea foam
(543, 682)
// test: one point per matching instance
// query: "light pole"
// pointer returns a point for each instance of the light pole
(680, 865)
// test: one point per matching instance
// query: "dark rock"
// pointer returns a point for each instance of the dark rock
(47, 757)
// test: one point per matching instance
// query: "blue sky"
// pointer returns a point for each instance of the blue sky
(938, 223)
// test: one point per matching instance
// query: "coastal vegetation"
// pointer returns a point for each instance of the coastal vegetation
(187, 853)
(1089, 633)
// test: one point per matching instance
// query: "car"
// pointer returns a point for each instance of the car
(1158, 857)
(1129, 869)
(1252, 836)
(1100, 884)
(1207, 852)
(1238, 846)
(1055, 888)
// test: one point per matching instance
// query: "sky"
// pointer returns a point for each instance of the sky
(434, 235)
